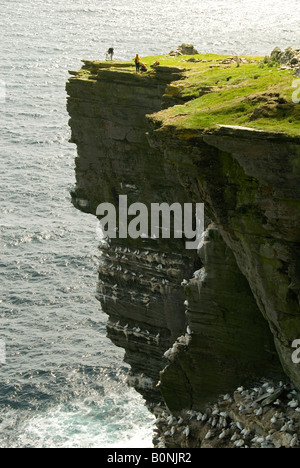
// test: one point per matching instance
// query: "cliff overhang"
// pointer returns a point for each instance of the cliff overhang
(212, 129)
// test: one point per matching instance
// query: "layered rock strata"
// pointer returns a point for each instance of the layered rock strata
(139, 280)
(193, 324)
(249, 181)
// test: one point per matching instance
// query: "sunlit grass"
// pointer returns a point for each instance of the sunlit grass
(251, 94)
(256, 94)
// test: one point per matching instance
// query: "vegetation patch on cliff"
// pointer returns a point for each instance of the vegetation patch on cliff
(243, 91)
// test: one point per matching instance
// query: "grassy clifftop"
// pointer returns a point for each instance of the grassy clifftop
(217, 90)
(243, 91)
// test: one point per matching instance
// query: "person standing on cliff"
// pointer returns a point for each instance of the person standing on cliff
(110, 53)
(137, 62)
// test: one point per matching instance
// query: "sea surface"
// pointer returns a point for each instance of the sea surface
(63, 382)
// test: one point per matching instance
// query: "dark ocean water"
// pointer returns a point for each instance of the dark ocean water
(63, 384)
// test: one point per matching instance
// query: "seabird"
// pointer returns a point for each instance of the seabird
(223, 434)
(260, 440)
(293, 403)
(246, 432)
(208, 435)
(239, 443)
(258, 412)
(223, 422)
(239, 426)
(294, 441)
(169, 420)
(284, 428)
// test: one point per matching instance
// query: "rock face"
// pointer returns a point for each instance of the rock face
(193, 324)
(184, 49)
(230, 342)
(249, 182)
(289, 57)
(139, 280)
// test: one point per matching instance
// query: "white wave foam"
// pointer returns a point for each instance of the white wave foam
(115, 421)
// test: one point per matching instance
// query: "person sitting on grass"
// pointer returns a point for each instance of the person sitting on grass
(144, 67)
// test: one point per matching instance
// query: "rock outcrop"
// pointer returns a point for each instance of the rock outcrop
(289, 57)
(184, 49)
(194, 325)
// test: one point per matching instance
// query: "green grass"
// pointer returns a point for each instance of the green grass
(256, 94)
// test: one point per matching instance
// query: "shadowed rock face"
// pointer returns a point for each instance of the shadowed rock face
(230, 341)
(248, 274)
(139, 280)
(249, 181)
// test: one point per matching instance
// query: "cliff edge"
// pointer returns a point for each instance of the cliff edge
(219, 130)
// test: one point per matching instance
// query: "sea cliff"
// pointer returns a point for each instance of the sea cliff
(196, 324)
